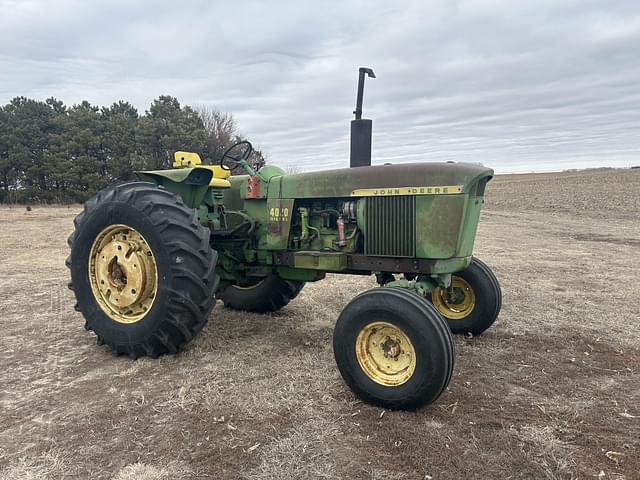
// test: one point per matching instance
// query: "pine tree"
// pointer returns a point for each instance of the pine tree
(53, 153)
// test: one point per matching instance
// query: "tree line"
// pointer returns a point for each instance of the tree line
(50, 152)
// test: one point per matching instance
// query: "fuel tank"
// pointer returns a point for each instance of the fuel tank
(381, 180)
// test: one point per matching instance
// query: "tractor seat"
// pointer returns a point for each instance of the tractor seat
(192, 159)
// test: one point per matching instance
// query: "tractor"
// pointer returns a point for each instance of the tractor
(149, 259)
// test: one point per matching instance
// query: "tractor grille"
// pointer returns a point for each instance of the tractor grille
(391, 226)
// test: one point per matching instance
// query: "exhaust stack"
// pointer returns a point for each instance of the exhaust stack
(361, 128)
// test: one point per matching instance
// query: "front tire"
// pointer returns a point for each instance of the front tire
(393, 349)
(270, 294)
(142, 270)
(475, 302)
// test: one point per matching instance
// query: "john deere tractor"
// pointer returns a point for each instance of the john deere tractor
(150, 258)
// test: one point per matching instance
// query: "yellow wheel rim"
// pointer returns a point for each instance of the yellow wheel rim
(385, 354)
(250, 287)
(455, 303)
(123, 273)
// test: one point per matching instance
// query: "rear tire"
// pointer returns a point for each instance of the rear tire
(268, 295)
(476, 309)
(393, 349)
(184, 264)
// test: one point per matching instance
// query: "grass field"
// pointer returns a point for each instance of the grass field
(552, 390)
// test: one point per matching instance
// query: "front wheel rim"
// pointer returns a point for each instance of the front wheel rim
(385, 353)
(123, 273)
(457, 302)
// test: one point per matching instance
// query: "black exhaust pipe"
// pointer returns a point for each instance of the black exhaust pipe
(361, 128)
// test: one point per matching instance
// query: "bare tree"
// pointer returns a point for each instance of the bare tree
(293, 169)
(221, 128)
(222, 132)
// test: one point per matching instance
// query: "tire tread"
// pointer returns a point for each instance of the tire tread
(188, 311)
(269, 296)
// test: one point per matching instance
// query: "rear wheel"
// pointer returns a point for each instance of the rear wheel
(142, 270)
(393, 349)
(267, 295)
(473, 302)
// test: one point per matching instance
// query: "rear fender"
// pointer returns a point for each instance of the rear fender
(190, 183)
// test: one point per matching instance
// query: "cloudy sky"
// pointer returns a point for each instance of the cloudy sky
(519, 86)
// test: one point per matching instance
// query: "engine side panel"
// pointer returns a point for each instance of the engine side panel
(439, 221)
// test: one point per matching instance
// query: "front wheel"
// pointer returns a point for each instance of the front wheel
(393, 349)
(473, 302)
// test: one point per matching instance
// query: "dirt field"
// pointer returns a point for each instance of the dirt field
(551, 391)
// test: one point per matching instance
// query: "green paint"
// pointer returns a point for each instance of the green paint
(190, 183)
(268, 172)
(341, 182)
(327, 261)
(439, 219)
(297, 215)
(422, 286)
(300, 274)
(280, 212)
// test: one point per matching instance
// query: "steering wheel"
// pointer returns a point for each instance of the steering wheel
(234, 160)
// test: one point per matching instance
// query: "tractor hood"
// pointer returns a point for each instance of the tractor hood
(381, 179)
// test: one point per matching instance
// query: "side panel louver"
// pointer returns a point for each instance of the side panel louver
(390, 226)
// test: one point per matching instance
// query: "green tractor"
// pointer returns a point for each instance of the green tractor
(149, 259)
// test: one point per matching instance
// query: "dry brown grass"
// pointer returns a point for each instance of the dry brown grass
(40, 467)
(551, 391)
(140, 471)
(542, 446)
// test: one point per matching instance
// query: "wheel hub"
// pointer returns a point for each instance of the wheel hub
(385, 353)
(123, 273)
(456, 302)
(391, 348)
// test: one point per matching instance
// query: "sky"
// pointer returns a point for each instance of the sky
(518, 86)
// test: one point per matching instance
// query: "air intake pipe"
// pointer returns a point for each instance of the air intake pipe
(361, 128)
